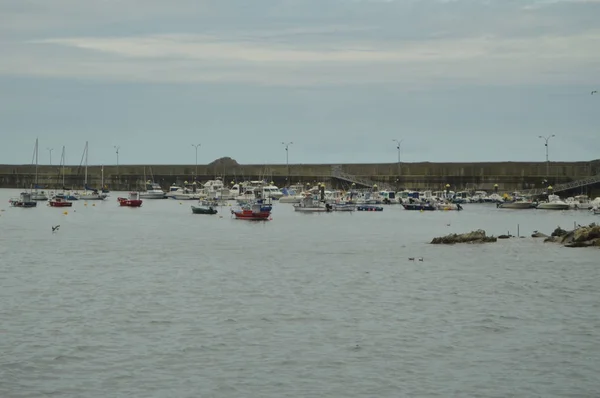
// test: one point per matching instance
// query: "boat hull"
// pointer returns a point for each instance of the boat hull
(203, 210)
(516, 205)
(60, 204)
(27, 205)
(129, 202)
(369, 208)
(418, 207)
(553, 206)
(250, 215)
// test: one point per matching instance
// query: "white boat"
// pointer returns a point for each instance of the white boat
(595, 210)
(389, 197)
(553, 203)
(312, 204)
(216, 189)
(187, 192)
(344, 207)
(518, 204)
(448, 206)
(579, 202)
(153, 191)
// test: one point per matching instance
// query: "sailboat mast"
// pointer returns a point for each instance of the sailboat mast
(62, 161)
(36, 163)
(86, 164)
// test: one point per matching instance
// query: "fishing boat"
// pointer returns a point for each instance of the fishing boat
(133, 200)
(369, 208)
(419, 206)
(205, 208)
(257, 211)
(23, 201)
(59, 201)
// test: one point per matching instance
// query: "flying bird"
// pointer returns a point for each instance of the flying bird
(54, 229)
(594, 92)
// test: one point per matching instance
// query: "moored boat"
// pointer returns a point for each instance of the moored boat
(369, 208)
(519, 204)
(257, 211)
(59, 201)
(344, 207)
(133, 200)
(205, 208)
(24, 200)
(419, 206)
(553, 203)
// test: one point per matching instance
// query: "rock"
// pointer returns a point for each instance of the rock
(551, 239)
(587, 243)
(503, 236)
(224, 162)
(559, 232)
(478, 236)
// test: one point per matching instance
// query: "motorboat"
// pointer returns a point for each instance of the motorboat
(518, 204)
(448, 206)
(205, 208)
(579, 202)
(24, 200)
(59, 201)
(553, 203)
(153, 191)
(187, 192)
(312, 204)
(344, 207)
(133, 200)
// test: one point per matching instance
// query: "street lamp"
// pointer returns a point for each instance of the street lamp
(50, 151)
(546, 139)
(196, 172)
(398, 147)
(287, 158)
(117, 152)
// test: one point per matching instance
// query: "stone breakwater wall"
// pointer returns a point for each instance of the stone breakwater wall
(508, 176)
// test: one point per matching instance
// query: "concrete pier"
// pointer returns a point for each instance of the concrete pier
(509, 176)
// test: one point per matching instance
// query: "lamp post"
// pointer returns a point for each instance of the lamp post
(117, 152)
(287, 158)
(546, 139)
(50, 151)
(196, 172)
(398, 147)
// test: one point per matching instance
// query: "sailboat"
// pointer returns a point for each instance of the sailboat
(35, 194)
(63, 194)
(89, 193)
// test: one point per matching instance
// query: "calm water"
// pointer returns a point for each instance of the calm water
(158, 302)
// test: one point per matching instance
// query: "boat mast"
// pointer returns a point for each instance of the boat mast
(36, 162)
(86, 165)
(102, 178)
(62, 162)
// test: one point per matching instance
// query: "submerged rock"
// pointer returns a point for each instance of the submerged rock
(559, 232)
(478, 236)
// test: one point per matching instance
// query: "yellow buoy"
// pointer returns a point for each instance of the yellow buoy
(65, 212)
(93, 204)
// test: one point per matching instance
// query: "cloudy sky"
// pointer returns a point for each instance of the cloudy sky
(456, 80)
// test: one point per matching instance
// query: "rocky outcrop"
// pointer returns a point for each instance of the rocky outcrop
(582, 236)
(478, 236)
(224, 162)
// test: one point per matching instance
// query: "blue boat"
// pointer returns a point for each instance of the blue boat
(369, 208)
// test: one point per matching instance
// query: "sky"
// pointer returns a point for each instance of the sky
(455, 80)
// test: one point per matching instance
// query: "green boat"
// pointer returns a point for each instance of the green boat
(204, 210)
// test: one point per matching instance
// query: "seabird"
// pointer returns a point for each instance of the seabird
(54, 229)
(411, 259)
(594, 92)
(420, 258)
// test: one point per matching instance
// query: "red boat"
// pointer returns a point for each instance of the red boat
(59, 201)
(255, 212)
(132, 201)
